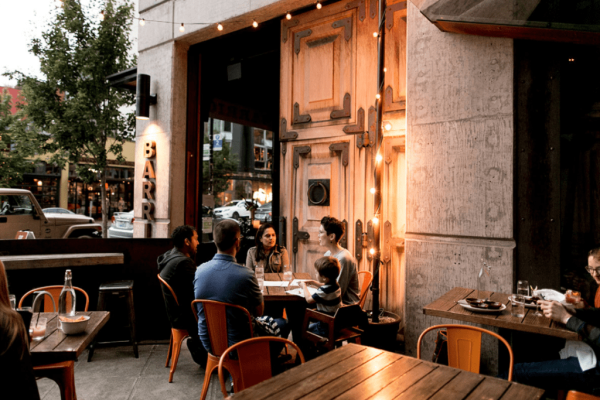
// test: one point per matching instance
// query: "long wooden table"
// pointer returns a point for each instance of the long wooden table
(57, 346)
(61, 260)
(446, 307)
(277, 293)
(360, 372)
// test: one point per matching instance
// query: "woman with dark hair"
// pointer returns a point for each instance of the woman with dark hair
(267, 253)
(16, 373)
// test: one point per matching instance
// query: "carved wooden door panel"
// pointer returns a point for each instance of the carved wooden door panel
(394, 95)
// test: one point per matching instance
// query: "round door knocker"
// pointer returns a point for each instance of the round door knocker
(318, 194)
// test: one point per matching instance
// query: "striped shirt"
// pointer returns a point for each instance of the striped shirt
(328, 298)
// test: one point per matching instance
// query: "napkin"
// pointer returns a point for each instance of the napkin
(584, 353)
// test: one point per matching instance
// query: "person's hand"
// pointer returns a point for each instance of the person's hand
(314, 283)
(303, 285)
(555, 311)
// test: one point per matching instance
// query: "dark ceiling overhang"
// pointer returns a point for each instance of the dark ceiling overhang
(573, 21)
(126, 80)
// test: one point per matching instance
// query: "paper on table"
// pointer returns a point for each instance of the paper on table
(276, 283)
(300, 292)
(296, 282)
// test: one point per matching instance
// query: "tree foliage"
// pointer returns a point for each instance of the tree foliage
(74, 102)
(225, 164)
(19, 142)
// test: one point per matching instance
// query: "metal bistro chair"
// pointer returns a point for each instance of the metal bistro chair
(348, 323)
(177, 337)
(464, 346)
(253, 363)
(364, 290)
(215, 313)
(574, 395)
(63, 373)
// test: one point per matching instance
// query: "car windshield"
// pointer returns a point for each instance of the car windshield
(231, 203)
(15, 205)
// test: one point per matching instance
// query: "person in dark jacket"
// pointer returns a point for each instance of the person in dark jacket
(178, 269)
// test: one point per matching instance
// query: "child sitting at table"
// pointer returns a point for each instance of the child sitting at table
(329, 296)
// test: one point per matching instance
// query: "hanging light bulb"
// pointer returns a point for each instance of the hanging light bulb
(182, 28)
(142, 22)
(375, 34)
(377, 96)
(319, 5)
(255, 24)
(288, 16)
(388, 126)
(378, 158)
(220, 27)
(372, 251)
(372, 190)
(384, 69)
(375, 220)
(102, 15)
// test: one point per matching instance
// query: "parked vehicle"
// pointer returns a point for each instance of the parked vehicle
(122, 225)
(264, 213)
(57, 210)
(234, 209)
(20, 211)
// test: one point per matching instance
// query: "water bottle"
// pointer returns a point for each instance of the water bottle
(67, 297)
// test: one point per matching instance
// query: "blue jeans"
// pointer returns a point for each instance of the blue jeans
(319, 328)
(557, 374)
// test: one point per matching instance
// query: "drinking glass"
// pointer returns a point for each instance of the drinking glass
(13, 301)
(523, 288)
(260, 272)
(518, 306)
(38, 328)
(261, 284)
(287, 274)
(537, 312)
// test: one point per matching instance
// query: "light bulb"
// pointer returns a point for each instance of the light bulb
(375, 220)
(375, 34)
(142, 22)
(255, 24)
(220, 27)
(384, 69)
(388, 126)
(319, 5)
(372, 190)
(378, 158)
(182, 28)
(372, 251)
(288, 16)
(377, 96)
(102, 15)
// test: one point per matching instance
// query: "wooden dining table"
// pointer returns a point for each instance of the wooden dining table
(57, 347)
(278, 293)
(446, 307)
(359, 372)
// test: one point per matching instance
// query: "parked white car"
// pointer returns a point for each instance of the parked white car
(20, 211)
(122, 225)
(234, 209)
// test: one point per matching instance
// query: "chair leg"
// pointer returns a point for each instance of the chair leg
(169, 353)
(211, 364)
(178, 337)
(63, 374)
(132, 324)
(99, 307)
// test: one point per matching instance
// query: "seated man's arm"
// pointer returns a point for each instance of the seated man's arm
(575, 320)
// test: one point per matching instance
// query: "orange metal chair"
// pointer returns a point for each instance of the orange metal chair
(366, 283)
(573, 395)
(216, 323)
(55, 292)
(464, 346)
(253, 364)
(177, 337)
(348, 323)
(63, 373)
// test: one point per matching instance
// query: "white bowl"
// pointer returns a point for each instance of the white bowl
(73, 328)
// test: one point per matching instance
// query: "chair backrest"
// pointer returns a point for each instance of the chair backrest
(253, 364)
(352, 315)
(364, 289)
(168, 287)
(55, 292)
(573, 395)
(215, 313)
(464, 346)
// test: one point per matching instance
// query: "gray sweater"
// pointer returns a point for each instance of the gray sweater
(348, 278)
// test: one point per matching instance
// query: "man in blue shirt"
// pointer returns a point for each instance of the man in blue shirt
(222, 279)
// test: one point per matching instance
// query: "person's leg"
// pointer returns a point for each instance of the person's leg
(555, 374)
(194, 345)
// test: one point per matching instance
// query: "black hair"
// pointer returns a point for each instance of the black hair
(181, 233)
(224, 234)
(333, 225)
(259, 246)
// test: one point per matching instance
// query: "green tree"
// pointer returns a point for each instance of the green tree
(225, 164)
(74, 103)
(19, 142)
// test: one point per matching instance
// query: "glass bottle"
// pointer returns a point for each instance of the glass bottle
(67, 297)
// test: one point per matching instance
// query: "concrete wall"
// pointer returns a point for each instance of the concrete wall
(459, 151)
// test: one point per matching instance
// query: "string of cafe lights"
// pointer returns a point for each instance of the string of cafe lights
(219, 26)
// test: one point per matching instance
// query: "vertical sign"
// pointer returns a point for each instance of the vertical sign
(149, 181)
(218, 142)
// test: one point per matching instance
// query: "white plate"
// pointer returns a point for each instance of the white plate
(464, 304)
(550, 294)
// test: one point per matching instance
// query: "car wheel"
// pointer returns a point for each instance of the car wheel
(235, 215)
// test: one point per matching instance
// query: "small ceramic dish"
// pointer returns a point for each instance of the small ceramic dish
(73, 326)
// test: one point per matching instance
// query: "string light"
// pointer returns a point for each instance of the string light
(384, 69)
(142, 22)
(102, 15)
(388, 126)
(220, 27)
(319, 5)
(377, 96)
(182, 28)
(288, 16)
(372, 251)
(375, 34)
(378, 158)
(375, 220)
(372, 190)
(255, 24)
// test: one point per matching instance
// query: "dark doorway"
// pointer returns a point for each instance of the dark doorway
(558, 165)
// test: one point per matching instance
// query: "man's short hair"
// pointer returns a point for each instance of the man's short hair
(181, 233)
(595, 252)
(333, 225)
(329, 267)
(225, 234)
